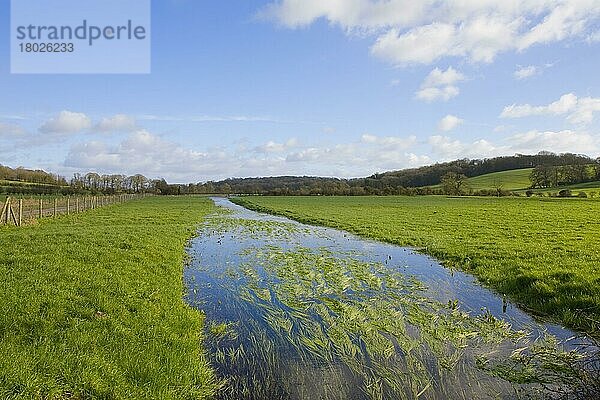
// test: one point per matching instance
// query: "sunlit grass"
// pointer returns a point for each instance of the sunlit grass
(92, 305)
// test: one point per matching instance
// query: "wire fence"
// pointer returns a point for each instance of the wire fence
(19, 211)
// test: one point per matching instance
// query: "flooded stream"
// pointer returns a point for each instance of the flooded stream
(302, 312)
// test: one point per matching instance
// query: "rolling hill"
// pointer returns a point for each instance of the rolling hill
(509, 180)
(518, 181)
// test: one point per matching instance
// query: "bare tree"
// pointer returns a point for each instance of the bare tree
(455, 183)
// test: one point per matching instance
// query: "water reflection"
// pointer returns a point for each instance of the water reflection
(299, 312)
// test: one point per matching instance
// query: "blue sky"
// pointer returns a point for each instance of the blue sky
(315, 87)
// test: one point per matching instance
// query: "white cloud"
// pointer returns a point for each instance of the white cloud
(532, 142)
(433, 94)
(410, 47)
(14, 117)
(274, 147)
(390, 142)
(144, 152)
(369, 155)
(593, 37)
(67, 122)
(116, 123)
(449, 122)
(440, 85)
(566, 141)
(578, 110)
(421, 32)
(567, 19)
(450, 149)
(349, 14)
(526, 72)
(11, 130)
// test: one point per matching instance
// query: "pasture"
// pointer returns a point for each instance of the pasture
(92, 305)
(508, 180)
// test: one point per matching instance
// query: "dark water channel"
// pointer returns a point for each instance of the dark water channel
(301, 312)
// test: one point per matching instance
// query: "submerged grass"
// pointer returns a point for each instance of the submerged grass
(290, 321)
(543, 253)
(92, 306)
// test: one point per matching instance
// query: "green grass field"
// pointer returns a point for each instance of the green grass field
(92, 305)
(518, 181)
(509, 180)
(543, 253)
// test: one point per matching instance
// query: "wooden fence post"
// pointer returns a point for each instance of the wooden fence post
(20, 212)
(9, 213)
(41, 209)
(68, 205)
(12, 214)
(55, 207)
(4, 215)
(76, 204)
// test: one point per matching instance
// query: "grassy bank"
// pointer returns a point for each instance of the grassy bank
(543, 253)
(91, 305)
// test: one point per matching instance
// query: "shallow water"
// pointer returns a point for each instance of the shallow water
(302, 312)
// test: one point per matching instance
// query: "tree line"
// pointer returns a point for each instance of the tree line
(549, 170)
(441, 178)
(21, 174)
(111, 184)
(548, 176)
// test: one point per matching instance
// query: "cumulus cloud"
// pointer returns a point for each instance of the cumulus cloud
(116, 123)
(448, 148)
(531, 142)
(152, 155)
(440, 85)
(390, 142)
(578, 110)
(449, 122)
(566, 141)
(421, 32)
(67, 122)
(371, 154)
(349, 14)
